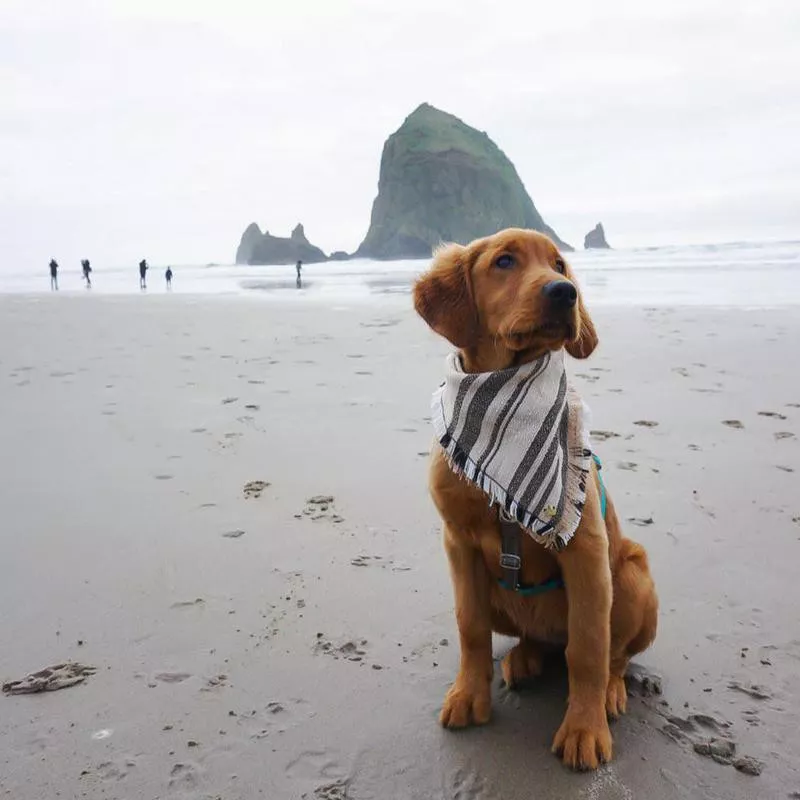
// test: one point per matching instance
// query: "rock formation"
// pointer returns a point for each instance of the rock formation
(596, 239)
(250, 238)
(441, 180)
(263, 248)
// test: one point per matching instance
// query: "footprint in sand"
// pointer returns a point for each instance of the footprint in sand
(602, 436)
(50, 679)
(331, 791)
(115, 770)
(773, 414)
(643, 683)
(235, 534)
(170, 677)
(627, 465)
(276, 716)
(185, 776)
(228, 400)
(254, 489)
(733, 423)
(349, 651)
(365, 560)
(646, 423)
(321, 506)
(641, 521)
(708, 736)
(783, 435)
(751, 690)
(198, 601)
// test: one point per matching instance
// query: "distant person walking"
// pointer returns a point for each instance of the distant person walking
(168, 276)
(87, 272)
(299, 268)
(143, 273)
(53, 275)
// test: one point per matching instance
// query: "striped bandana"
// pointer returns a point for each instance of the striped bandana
(521, 435)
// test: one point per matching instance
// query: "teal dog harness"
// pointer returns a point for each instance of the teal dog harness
(511, 555)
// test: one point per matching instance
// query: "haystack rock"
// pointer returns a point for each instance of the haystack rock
(596, 239)
(263, 248)
(443, 181)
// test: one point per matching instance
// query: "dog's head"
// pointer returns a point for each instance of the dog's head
(512, 293)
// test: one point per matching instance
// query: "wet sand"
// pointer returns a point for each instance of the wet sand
(268, 641)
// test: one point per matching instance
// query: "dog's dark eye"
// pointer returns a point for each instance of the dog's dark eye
(504, 262)
(560, 265)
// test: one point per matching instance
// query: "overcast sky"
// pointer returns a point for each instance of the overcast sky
(161, 128)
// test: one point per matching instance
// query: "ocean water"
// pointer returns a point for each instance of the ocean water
(747, 274)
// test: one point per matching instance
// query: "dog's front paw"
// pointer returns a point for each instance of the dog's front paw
(466, 703)
(582, 743)
(616, 697)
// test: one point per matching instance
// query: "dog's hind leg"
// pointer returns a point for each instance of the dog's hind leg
(523, 662)
(634, 619)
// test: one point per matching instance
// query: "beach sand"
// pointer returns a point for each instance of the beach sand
(252, 644)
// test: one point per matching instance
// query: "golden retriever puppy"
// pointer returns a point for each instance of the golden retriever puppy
(505, 301)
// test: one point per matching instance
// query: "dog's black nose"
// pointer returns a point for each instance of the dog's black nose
(560, 294)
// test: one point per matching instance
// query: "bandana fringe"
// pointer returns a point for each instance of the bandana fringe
(553, 534)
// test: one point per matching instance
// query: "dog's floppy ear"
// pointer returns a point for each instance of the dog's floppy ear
(584, 341)
(443, 296)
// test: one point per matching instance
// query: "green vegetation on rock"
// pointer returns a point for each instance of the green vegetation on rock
(443, 181)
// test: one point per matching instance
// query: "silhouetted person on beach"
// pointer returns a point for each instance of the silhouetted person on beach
(143, 274)
(299, 268)
(168, 276)
(87, 272)
(53, 275)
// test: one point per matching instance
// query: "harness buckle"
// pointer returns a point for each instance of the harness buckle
(509, 561)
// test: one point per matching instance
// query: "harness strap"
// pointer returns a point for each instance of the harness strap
(603, 500)
(511, 562)
(511, 552)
